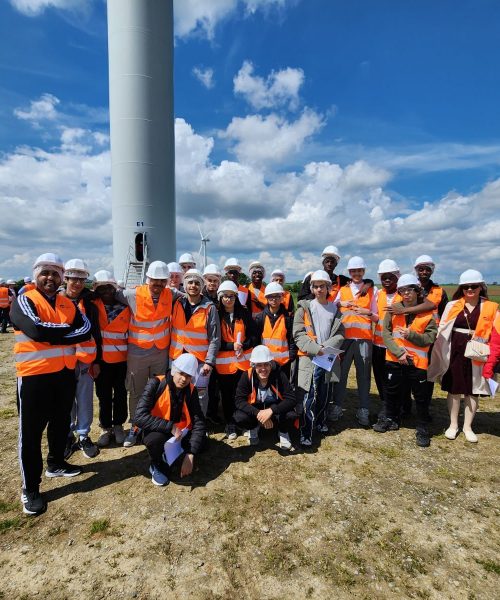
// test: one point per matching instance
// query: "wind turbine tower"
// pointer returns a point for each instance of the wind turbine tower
(203, 247)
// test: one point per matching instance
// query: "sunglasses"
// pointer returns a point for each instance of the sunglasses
(274, 297)
(471, 286)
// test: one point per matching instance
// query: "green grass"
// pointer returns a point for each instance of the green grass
(7, 506)
(14, 523)
(489, 565)
(99, 526)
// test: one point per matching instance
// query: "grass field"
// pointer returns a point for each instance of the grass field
(366, 515)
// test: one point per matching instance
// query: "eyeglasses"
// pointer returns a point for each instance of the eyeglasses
(407, 290)
(274, 297)
(471, 286)
(77, 279)
(228, 297)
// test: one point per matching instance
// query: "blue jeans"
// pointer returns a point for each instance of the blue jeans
(315, 402)
(82, 413)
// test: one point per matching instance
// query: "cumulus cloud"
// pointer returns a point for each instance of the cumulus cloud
(33, 8)
(204, 76)
(261, 140)
(42, 109)
(280, 88)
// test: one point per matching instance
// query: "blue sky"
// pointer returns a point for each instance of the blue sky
(369, 125)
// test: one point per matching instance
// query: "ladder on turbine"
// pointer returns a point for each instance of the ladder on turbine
(135, 270)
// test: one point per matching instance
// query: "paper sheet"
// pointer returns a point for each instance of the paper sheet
(173, 448)
(493, 386)
(327, 359)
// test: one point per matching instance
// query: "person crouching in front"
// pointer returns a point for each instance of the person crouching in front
(265, 398)
(169, 407)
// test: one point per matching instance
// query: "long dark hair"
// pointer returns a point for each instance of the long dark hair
(238, 308)
(459, 292)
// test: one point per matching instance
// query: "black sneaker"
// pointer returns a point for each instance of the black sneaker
(422, 437)
(63, 470)
(385, 424)
(33, 503)
(70, 446)
(87, 446)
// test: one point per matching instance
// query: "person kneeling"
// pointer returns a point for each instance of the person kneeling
(169, 408)
(265, 398)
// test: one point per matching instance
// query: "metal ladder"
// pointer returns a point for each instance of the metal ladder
(135, 271)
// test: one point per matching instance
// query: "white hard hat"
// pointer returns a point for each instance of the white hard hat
(408, 279)
(10, 282)
(185, 363)
(212, 270)
(76, 267)
(227, 286)
(193, 274)
(331, 251)
(321, 275)
(187, 259)
(273, 288)
(232, 264)
(157, 270)
(49, 259)
(174, 267)
(260, 354)
(356, 262)
(424, 259)
(256, 264)
(27, 280)
(104, 277)
(471, 276)
(278, 272)
(388, 266)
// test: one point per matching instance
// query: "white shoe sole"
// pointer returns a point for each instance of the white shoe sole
(53, 474)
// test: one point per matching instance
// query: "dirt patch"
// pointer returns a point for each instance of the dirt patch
(366, 516)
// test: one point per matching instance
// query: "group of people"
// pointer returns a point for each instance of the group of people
(165, 354)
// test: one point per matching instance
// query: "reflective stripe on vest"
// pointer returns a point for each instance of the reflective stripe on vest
(275, 338)
(191, 336)
(40, 358)
(257, 294)
(485, 322)
(357, 327)
(226, 362)
(114, 334)
(309, 330)
(419, 354)
(382, 304)
(86, 352)
(150, 325)
(163, 406)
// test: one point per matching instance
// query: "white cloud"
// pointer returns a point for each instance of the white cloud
(205, 76)
(263, 140)
(33, 8)
(281, 88)
(284, 217)
(43, 109)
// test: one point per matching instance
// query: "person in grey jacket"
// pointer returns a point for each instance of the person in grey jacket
(316, 326)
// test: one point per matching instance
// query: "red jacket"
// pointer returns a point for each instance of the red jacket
(494, 357)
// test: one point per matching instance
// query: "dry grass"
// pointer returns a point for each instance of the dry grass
(366, 516)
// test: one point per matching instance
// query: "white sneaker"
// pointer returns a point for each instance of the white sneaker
(105, 438)
(470, 436)
(363, 416)
(231, 433)
(335, 412)
(285, 443)
(254, 436)
(119, 434)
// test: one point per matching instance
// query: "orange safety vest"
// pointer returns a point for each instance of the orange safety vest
(162, 408)
(41, 358)
(485, 322)
(192, 336)
(255, 295)
(4, 297)
(418, 353)
(150, 325)
(86, 352)
(252, 397)
(435, 295)
(226, 362)
(379, 325)
(286, 300)
(309, 330)
(357, 327)
(275, 339)
(28, 286)
(243, 290)
(114, 335)
(335, 290)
